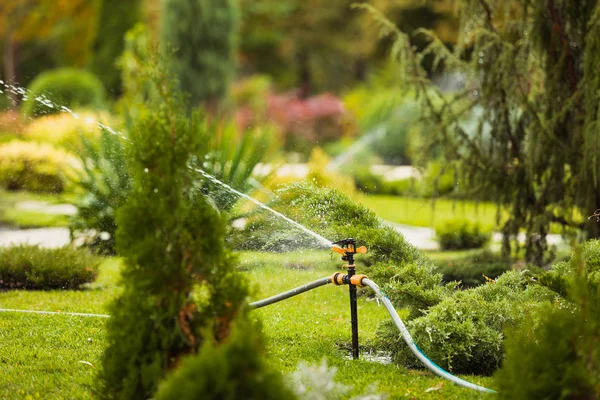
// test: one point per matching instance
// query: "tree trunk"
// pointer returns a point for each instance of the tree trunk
(10, 66)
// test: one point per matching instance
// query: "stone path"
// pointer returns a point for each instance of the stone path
(45, 237)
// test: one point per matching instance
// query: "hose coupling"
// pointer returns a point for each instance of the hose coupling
(343, 279)
(356, 280)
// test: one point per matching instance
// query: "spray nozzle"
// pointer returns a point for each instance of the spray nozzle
(347, 247)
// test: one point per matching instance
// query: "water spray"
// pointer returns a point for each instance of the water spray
(347, 248)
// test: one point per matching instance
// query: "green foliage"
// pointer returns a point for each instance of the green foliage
(532, 141)
(463, 333)
(115, 19)
(67, 87)
(232, 157)
(558, 357)
(229, 371)
(104, 183)
(204, 35)
(404, 273)
(470, 270)
(32, 267)
(172, 241)
(34, 167)
(461, 235)
(370, 183)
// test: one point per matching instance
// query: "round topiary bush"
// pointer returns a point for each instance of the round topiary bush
(33, 267)
(34, 167)
(461, 235)
(68, 87)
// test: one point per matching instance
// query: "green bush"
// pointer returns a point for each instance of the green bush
(228, 371)
(558, 356)
(403, 272)
(104, 183)
(464, 332)
(34, 167)
(179, 285)
(115, 19)
(461, 235)
(32, 267)
(470, 270)
(370, 183)
(67, 87)
(210, 25)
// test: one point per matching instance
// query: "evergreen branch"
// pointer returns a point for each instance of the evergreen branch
(558, 28)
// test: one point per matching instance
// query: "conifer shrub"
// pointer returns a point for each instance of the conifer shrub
(464, 332)
(190, 25)
(398, 267)
(36, 268)
(180, 290)
(69, 87)
(558, 356)
(470, 270)
(461, 235)
(231, 370)
(35, 167)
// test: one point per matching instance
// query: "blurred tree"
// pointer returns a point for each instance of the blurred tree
(116, 18)
(204, 35)
(533, 80)
(36, 32)
(318, 44)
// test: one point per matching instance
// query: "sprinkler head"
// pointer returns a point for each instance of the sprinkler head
(347, 247)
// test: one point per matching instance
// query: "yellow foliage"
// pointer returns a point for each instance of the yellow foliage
(35, 167)
(64, 130)
(321, 176)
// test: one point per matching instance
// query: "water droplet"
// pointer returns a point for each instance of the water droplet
(146, 170)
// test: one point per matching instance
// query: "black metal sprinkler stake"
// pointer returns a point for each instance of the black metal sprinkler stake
(349, 250)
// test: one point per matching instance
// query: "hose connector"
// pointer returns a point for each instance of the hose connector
(343, 279)
(356, 280)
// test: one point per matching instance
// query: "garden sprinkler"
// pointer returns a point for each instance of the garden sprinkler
(347, 247)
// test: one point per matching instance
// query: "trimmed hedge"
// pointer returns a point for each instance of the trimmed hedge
(461, 235)
(34, 167)
(33, 267)
(68, 87)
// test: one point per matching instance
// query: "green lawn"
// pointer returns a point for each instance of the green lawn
(425, 212)
(19, 218)
(49, 356)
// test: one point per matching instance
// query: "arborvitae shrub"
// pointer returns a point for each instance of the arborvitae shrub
(69, 87)
(231, 370)
(35, 167)
(179, 285)
(116, 18)
(204, 34)
(33, 267)
(558, 357)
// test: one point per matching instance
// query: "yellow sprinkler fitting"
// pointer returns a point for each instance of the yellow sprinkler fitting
(362, 250)
(338, 279)
(338, 250)
(356, 280)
